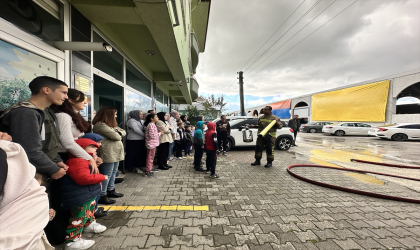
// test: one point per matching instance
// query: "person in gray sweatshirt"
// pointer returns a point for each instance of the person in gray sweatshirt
(33, 125)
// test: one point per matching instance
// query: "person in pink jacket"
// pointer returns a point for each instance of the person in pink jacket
(152, 141)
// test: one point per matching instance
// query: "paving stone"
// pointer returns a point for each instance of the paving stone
(144, 222)
(287, 246)
(288, 227)
(220, 221)
(267, 238)
(329, 244)
(156, 241)
(306, 236)
(368, 243)
(183, 222)
(347, 244)
(181, 240)
(246, 239)
(110, 242)
(175, 230)
(164, 222)
(192, 230)
(200, 222)
(203, 240)
(232, 229)
(224, 240)
(408, 241)
(390, 243)
(261, 247)
(213, 230)
(270, 228)
(131, 231)
(251, 229)
(138, 242)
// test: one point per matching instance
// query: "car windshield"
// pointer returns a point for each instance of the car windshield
(234, 122)
(388, 125)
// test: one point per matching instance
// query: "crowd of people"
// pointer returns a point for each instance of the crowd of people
(46, 142)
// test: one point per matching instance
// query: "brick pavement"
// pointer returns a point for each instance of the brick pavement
(256, 208)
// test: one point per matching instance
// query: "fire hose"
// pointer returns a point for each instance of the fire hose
(355, 191)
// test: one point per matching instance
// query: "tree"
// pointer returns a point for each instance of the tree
(213, 106)
(191, 112)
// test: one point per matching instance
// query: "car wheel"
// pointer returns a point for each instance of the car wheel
(339, 133)
(228, 145)
(399, 137)
(283, 143)
(312, 130)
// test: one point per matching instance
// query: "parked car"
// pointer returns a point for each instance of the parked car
(347, 128)
(284, 135)
(397, 132)
(313, 127)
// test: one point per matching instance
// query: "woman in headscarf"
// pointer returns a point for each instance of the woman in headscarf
(165, 139)
(184, 119)
(135, 147)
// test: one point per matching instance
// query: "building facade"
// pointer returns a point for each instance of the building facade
(155, 50)
(373, 102)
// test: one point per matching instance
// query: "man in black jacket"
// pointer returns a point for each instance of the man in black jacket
(295, 125)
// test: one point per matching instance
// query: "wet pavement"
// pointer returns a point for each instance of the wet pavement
(259, 208)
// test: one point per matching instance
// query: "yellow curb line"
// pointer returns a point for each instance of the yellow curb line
(155, 208)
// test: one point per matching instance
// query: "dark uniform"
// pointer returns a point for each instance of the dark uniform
(269, 140)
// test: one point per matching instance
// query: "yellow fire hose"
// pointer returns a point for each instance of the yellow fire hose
(265, 131)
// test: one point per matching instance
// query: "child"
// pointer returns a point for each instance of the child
(99, 211)
(79, 190)
(211, 149)
(188, 140)
(152, 142)
(199, 146)
(181, 141)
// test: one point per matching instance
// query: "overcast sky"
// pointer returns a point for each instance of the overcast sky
(370, 39)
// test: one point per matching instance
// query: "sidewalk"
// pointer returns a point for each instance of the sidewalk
(255, 208)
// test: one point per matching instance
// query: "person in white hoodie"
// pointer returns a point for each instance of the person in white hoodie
(19, 191)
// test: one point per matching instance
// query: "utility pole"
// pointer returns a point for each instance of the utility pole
(241, 91)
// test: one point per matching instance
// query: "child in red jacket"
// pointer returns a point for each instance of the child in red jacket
(79, 189)
(211, 149)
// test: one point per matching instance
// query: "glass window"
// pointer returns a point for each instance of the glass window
(135, 101)
(348, 125)
(39, 19)
(108, 62)
(412, 126)
(159, 95)
(363, 125)
(137, 80)
(17, 68)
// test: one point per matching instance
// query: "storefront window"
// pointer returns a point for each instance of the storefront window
(159, 95)
(17, 68)
(108, 62)
(136, 102)
(161, 108)
(39, 19)
(137, 80)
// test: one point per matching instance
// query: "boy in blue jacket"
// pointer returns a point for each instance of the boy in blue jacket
(199, 146)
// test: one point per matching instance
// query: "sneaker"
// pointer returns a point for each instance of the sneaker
(218, 152)
(208, 171)
(79, 244)
(154, 170)
(136, 170)
(214, 176)
(171, 158)
(94, 227)
(224, 153)
(150, 175)
(180, 158)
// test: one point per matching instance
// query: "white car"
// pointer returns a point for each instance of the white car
(347, 128)
(397, 132)
(284, 135)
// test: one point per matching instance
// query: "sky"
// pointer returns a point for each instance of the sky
(288, 48)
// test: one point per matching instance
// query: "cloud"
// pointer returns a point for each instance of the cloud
(407, 100)
(370, 39)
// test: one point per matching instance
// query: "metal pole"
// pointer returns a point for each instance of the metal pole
(241, 91)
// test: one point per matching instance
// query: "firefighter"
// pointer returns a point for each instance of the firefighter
(267, 141)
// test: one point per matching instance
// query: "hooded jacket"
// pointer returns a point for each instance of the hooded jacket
(25, 123)
(23, 202)
(198, 134)
(79, 185)
(211, 137)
